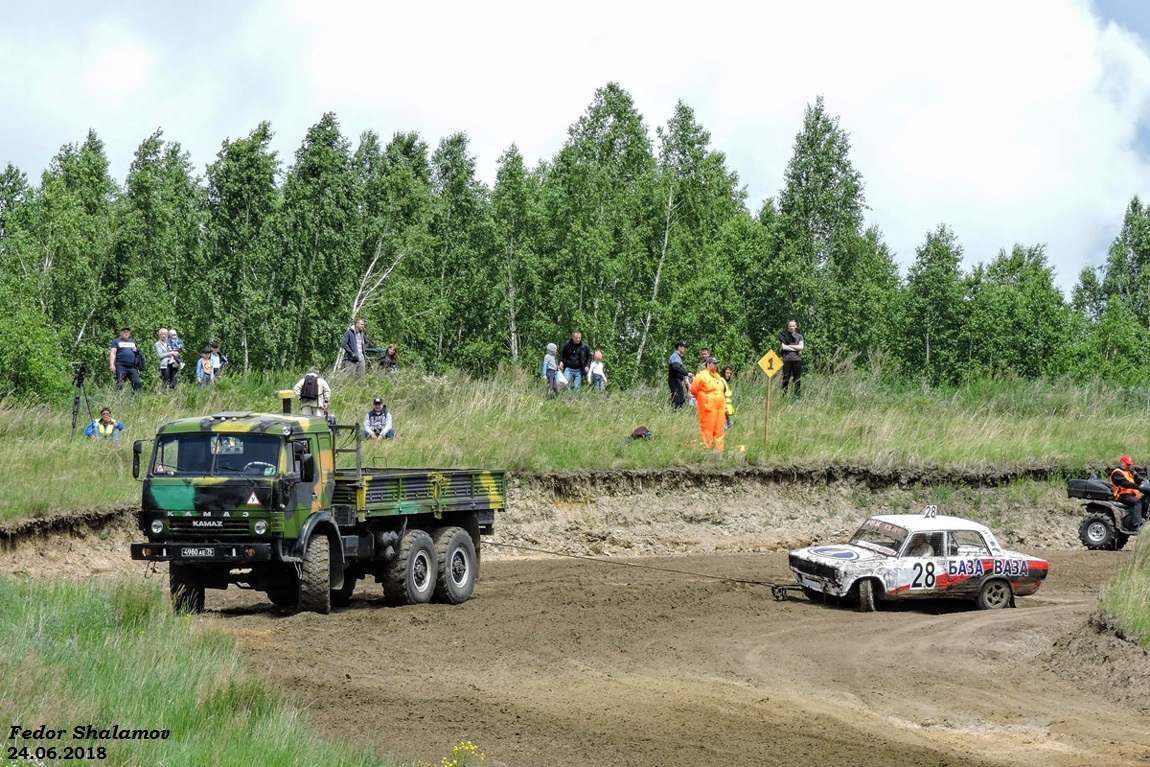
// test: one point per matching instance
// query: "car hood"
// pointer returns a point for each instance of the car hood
(837, 554)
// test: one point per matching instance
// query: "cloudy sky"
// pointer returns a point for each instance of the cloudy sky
(1011, 121)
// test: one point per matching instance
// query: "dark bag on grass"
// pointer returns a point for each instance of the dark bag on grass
(641, 432)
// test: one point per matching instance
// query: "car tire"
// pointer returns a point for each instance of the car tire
(814, 595)
(995, 595)
(1097, 533)
(867, 602)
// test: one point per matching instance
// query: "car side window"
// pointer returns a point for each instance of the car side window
(924, 545)
(970, 543)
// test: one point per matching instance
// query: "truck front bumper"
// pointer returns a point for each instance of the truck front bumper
(192, 551)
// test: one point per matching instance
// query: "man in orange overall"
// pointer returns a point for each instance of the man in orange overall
(1126, 491)
(711, 395)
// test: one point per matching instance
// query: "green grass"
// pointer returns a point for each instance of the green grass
(115, 654)
(853, 417)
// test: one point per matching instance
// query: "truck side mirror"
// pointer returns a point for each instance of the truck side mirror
(137, 448)
(307, 468)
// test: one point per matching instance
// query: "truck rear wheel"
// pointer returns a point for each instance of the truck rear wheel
(457, 565)
(410, 577)
(315, 581)
(187, 588)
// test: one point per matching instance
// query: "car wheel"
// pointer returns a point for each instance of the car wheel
(814, 595)
(866, 596)
(1097, 533)
(995, 595)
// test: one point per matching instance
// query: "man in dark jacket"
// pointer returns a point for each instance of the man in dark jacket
(575, 360)
(676, 374)
(355, 345)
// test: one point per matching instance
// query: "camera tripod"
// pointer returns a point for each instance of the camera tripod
(81, 391)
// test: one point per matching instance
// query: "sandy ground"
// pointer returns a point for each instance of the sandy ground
(666, 647)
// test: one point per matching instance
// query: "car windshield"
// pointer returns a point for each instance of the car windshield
(880, 536)
(201, 454)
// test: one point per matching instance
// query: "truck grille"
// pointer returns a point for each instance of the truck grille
(185, 527)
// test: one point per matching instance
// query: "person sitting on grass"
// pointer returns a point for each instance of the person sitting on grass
(377, 422)
(105, 427)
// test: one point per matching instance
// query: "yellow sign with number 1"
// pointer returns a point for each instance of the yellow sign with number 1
(771, 363)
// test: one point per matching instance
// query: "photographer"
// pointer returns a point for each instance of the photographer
(377, 422)
(105, 427)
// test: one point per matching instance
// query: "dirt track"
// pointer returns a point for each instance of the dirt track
(580, 663)
(577, 662)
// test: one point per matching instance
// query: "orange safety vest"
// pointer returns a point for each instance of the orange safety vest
(1120, 491)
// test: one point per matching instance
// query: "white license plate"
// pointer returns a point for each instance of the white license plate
(188, 551)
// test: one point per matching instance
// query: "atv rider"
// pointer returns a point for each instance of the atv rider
(1126, 491)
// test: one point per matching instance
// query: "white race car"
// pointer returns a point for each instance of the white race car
(905, 556)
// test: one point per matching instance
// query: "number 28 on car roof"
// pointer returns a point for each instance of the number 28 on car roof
(930, 512)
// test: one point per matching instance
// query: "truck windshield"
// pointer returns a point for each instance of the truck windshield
(202, 454)
(880, 536)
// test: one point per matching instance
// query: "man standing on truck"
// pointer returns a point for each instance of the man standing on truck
(1126, 491)
(313, 393)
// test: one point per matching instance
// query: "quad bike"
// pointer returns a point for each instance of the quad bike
(1104, 527)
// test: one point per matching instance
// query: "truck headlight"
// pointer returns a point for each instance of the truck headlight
(261, 527)
(157, 526)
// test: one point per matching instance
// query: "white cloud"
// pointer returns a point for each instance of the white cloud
(1009, 121)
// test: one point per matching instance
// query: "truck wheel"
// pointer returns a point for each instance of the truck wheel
(1097, 532)
(341, 597)
(410, 577)
(187, 588)
(315, 582)
(457, 566)
(866, 597)
(995, 595)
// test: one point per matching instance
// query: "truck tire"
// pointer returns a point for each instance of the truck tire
(995, 595)
(186, 587)
(1097, 532)
(866, 596)
(341, 597)
(457, 565)
(315, 576)
(410, 577)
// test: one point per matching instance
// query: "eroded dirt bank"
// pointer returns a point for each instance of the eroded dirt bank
(575, 662)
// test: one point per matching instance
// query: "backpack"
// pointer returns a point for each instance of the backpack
(310, 388)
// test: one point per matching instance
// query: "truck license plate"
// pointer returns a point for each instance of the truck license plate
(188, 551)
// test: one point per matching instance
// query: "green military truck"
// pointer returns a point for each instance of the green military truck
(257, 500)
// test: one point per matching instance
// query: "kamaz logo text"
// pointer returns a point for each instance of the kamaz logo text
(207, 523)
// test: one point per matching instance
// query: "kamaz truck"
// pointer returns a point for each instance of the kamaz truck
(256, 500)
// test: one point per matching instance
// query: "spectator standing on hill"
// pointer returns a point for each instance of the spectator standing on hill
(169, 361)
(176, 344)
(105, 427)
(390, 359)
(676, 374)
(313, 393)
(205, 369)
(709, 391)
(598, 371)
(354, 345)
(125, 359)
(575, 360)
(377, 422)
(550, 368)
(219, 359)
(792, 345)
(727, 374)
